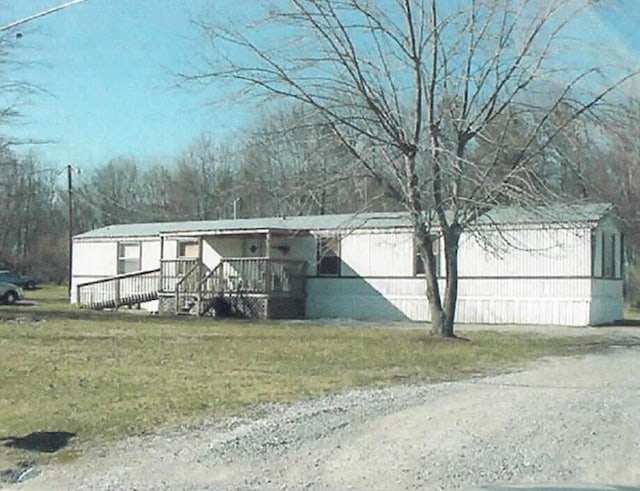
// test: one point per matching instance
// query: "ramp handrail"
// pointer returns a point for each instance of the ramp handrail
(122, 289)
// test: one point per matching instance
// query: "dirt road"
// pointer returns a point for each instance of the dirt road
(571, 420)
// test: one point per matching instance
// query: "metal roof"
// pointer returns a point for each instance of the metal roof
(569, 214)
(248, 225)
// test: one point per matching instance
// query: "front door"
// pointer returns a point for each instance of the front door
(188, 254)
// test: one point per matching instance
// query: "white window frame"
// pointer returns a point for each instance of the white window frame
(124, 261)
(181, 244)
(418, 264)
(324, 253)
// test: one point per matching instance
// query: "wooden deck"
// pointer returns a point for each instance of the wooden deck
(243, 287)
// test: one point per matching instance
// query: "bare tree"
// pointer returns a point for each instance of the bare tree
(160, 193)
(31, 221)
(412, 88)
(30, 215)
(202, 177)
(293, 164)
(113, 193)
(614, 176)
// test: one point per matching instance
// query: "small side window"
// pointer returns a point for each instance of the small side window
(608, 255)
(594, 257)
(614, 252)
(622, 256)
(418, 263)
(328, 256)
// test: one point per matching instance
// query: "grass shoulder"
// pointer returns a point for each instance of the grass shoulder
(104, 377)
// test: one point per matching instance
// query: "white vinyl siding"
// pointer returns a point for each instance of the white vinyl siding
(536, 252)
(523, 276)
(488, 301)
(377, 254)
(98, 259)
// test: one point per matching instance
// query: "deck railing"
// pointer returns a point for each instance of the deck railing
(174, 270)
(116, 291)
(256, 275)
(189, 289)
(193, 283)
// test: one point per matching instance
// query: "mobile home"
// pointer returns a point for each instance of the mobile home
(559, 266)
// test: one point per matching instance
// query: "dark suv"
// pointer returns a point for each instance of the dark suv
(26, 282)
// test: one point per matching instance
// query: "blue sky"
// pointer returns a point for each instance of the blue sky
(108, 68)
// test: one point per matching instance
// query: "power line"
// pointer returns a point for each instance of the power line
(24, 20)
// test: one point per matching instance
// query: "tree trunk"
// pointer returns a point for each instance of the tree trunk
(451, 243)
(424, 243)
(442, 310)
(438, 318)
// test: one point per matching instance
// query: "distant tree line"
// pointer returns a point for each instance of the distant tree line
(288, 164)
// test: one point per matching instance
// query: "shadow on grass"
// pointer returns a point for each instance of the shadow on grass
(24, 303)
(431, 338)
(38, 312)
(625, 322)
(39, 441)
(34, 312)
(621, 342)
(603, 345)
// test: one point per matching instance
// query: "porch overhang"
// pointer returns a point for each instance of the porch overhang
(229, 232)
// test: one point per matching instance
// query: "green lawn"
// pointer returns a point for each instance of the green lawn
(104, 376)
(632, 314)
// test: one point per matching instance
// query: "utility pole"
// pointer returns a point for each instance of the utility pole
(70, 210)
(235, 208)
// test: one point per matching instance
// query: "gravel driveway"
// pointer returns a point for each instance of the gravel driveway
(571, 420)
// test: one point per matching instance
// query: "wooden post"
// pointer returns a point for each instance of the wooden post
(267, 272)
(200, 264)
(160, 277)
(117, 295)
(268, 245)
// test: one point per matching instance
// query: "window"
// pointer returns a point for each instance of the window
(329, 256)
(418, 264)
(128, 257)
(594, 245)
(187, 249)
(609, 255)
(622, 255)
(612, 257)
